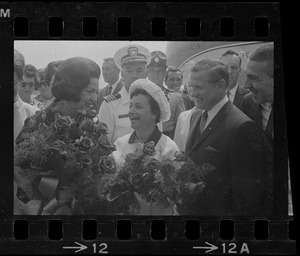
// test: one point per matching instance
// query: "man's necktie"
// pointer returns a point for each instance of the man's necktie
(228, 94)
(109, 90)
(203, 120)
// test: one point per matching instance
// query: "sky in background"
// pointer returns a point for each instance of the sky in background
(40, 53)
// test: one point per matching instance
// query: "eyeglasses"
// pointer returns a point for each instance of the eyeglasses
(42, 83)
(24, 84)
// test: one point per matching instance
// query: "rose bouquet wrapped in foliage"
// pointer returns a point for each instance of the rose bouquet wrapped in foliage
(63, 165)
(144, 179)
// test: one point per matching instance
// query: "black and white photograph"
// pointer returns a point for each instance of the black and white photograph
(143, 128)
(146, 128)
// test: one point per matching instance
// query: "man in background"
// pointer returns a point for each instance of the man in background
(111, 75)
(157, 71)
(22, 110)
(132, 60)
(258, 104)
(28, 85)
(173, 81)
(233, 62)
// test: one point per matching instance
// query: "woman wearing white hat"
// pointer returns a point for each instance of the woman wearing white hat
(147, 108)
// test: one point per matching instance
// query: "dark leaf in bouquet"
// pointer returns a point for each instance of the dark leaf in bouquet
(180, 156)
(22, 195)
(101, 129)
(124, 174)
(136, 180)
(61, 121)
(86, 160)
(155, 196)
(40, 116)
(73, 132)
(87, 125)
(151, 164)
(30, 124)
(64, 195)
(116, 188)
(107, 165)
(148, 179)
(53, 162)
(149, 148)
(91, 113)
(170, 192)
(104, 142)
(167, 168)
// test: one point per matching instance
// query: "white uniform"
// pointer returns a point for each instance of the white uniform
(115, 115)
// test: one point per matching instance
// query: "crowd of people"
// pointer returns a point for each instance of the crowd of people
(210, 120)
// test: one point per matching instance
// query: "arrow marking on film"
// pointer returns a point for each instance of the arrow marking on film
(211, 247)
(80, 248)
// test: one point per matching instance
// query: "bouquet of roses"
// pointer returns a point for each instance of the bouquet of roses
(152, 179)
(64, 164)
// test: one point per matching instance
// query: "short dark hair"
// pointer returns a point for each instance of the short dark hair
(72, 77)
(51, 69)
(30, 71)
(232, 52)
(152, 102)
(172, 69)
(262, 54)
(112, 60)
(216, 70)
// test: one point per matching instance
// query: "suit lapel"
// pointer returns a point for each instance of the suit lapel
(194, 129)
(214, 123)
(238, 97)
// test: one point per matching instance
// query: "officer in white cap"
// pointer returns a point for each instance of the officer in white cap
(132, 60)
(157, 70)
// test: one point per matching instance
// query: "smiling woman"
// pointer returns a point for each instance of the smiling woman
(148, 106)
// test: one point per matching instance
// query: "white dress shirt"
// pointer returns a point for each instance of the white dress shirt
(232, 93)
(113, 86)
(265, 112)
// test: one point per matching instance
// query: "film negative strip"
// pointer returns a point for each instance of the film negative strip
(97, 165)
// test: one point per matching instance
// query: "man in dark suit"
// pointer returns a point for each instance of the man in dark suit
(233, 61)
(223, 143)
(258, 104)
(110, 74)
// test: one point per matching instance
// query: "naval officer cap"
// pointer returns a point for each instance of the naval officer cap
(158, 59)
(132, 53)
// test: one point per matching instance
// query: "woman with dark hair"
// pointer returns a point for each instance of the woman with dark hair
(75, 89)
(28, 84)
(44, 84)
(147, 108)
